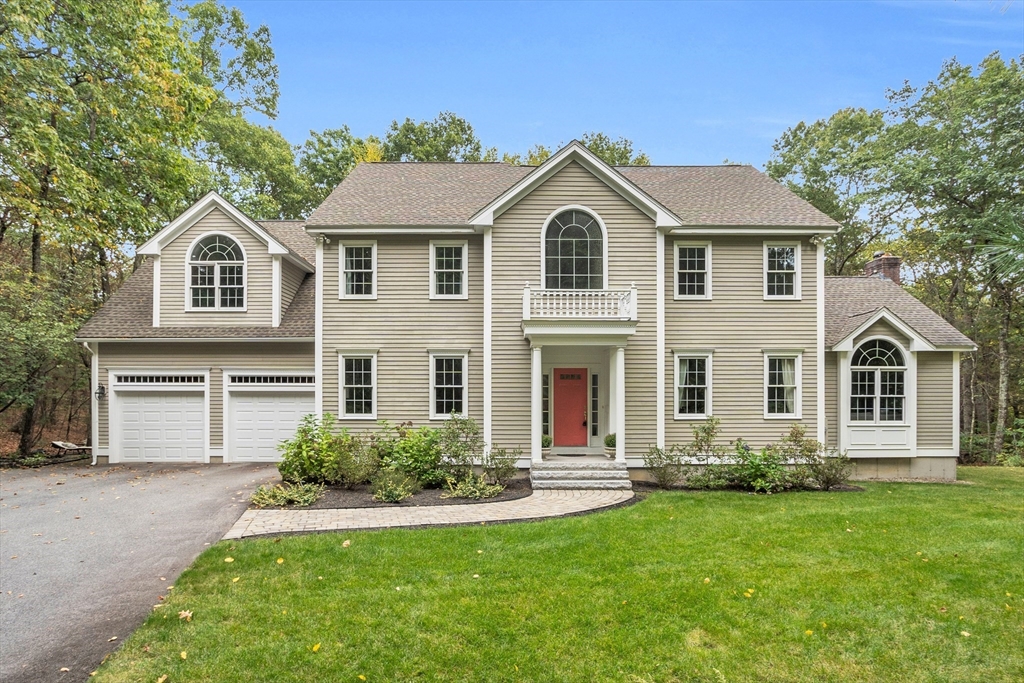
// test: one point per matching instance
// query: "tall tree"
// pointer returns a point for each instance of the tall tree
(617, 152)
(447, 138)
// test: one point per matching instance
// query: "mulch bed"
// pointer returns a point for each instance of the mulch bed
(362, 497)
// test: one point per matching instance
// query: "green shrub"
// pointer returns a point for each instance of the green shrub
(461, 446)
(545, 441)
(1013, 445)
(302, 495)
(391, 485)
(500, 465)
(472, 486)
(307, 456)
(609, 441)
(761, 471)
(418, 455)
(666, 466)
(830, 471)
(383, 441)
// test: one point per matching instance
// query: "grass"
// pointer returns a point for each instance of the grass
(880, 585)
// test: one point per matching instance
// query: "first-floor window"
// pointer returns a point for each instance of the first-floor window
(693, 384)
(782, 387)
(877, 390)
(358, 386)
(448, 374)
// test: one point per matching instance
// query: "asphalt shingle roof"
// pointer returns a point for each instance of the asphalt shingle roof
(128, 314)
(451, 193)
(850, 301)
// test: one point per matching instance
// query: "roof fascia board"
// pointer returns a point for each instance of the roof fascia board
(574, 151)
(201, 209)
(193, 339)
(393, 230)
(917, 342)
(751, 230)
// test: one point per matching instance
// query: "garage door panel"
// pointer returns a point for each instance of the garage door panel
(259, 421)
(162, 426)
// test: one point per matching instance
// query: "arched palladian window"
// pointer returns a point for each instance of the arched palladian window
(574, 252)
(217, 273)
(877, 392)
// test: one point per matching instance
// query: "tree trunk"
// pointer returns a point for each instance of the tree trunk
(104, 271)
(37, 249)
(1004, 369)
(27, 428)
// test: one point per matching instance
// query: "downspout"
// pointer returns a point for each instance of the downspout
(94, 414)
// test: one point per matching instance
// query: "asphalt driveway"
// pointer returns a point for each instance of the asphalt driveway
(85, 553)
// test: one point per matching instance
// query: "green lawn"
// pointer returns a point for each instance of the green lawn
(881, 585)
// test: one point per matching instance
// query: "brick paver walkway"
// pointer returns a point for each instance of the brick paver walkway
(546, 503)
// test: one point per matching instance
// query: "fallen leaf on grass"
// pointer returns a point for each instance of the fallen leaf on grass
(111, 639)
(235, 580)
(280, 560)
(184, 655)
(362, 677)
(965, 634)
(346, 543)
(229, 559)
(708, 580)
(162, 679)
(808, 632)
(185, 614)
(316, 648)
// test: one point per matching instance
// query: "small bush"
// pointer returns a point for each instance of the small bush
(761, 471)
(830, 471)
(666, 466)
(307, 456)
(500, 465)
(474, 486)
(461, 446)
(545, 441)
(301, 495)
(391, 485)
(609, 441)
(418, 455)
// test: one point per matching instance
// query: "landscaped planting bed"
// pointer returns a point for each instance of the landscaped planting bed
(908, 582)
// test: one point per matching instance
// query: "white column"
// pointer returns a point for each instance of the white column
(536, 398)
(620, 404)
(659, 366)
(318, 340)
(613, 396)
(819, 360)
(956, 403)
(94, 384)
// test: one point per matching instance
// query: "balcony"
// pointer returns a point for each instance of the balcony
(579, 304)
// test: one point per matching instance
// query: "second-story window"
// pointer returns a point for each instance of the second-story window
(359, 268)
(781, 271)
(693, 270)
(574, 252)
(217, 274)
(448, 270)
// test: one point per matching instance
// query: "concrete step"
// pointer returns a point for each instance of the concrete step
(585, 465)
(590, 484)
(563, 475)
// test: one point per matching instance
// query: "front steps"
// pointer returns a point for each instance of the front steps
(579, 475)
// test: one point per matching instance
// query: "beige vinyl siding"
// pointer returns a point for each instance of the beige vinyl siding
(199, 355)
(174, 272)
(403, 324)
(631, 252)
(881, 328)
(737, 324)
(831, 399)
(291, 278)
(935, 399)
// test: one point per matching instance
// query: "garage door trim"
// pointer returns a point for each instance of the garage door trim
(150, 380)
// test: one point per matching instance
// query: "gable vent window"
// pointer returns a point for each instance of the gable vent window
(272, 379)
(574, 252)
(161, 379)
(217, 274)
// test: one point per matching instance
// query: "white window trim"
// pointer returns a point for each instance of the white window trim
(797, 247)
(604, 243)
(907, 371)
(798, 405)
(675, 271)
(341, 271)
(342, 355)
(708, 406)
(433, 273)
(464, 355)
(216, 308)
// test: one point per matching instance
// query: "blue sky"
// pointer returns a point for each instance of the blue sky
(689, 83)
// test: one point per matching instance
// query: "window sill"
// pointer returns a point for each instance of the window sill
(357, 297)
(782, 298)
(679, 297)
(217, 310)
(691, 418)
(790, 416)
(449, 297)
(357, 417)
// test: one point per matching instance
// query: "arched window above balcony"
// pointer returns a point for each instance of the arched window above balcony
(574, 251)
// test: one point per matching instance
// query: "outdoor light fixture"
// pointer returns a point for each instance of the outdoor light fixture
(101, 392)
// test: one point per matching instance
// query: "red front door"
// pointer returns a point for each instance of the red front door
(570, 406)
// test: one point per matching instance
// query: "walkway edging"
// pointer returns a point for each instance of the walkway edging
(540, 505)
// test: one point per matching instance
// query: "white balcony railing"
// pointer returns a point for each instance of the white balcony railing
(592, 304)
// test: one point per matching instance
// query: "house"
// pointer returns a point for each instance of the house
(572, 300)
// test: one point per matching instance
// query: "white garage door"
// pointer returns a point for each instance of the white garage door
(157, 426)
(259, 421)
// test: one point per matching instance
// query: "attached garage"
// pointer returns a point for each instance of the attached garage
(262, 411)
(160, 418)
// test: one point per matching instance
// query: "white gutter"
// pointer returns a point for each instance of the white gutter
(94, 416)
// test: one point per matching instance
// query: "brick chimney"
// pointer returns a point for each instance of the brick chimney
(885, 264)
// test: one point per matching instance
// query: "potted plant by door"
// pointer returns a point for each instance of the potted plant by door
(545, 443)
(609, 446)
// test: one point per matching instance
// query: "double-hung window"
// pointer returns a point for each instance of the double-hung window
(216, 274)
(447, 384)
(782, 393)
(693, 385)
(877, 388)
(358, 370)
(693, 270)
(448, 270)
(358, 270)
(781, 271)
